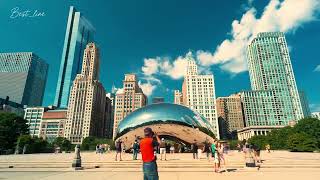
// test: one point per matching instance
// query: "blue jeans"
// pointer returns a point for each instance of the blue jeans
(135, 154)
(150, 171)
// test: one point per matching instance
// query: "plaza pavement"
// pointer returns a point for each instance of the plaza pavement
(276, 165)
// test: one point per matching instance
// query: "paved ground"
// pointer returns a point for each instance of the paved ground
(276, 165)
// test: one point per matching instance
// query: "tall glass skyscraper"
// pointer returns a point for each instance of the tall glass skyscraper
(23, 78)
(270, 69)
(79, 33)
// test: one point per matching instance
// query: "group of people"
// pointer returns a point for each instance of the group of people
(216, 151)
(102, 148)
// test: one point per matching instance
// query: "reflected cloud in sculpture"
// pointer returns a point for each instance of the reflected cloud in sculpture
(166, 119)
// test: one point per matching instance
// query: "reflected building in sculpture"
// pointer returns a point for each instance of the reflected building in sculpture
(167, 120)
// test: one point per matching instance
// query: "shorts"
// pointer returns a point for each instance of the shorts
(162, 150)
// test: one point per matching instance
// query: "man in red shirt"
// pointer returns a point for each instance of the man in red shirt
(147, 146)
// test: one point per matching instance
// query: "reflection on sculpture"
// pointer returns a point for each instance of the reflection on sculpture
(170, 120)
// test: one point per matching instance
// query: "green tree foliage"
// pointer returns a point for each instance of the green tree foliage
(91, 142)
(304, 136)
(33, 144)
(63, 143)
(301, 142)
(11, 127)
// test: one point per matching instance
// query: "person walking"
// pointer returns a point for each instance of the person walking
(118, 149)
(147, 146)
(222, 161)
(200, 151)
(135, 148)
(194, 149)
(163, 149)
(215, 156)
(206, 149)
(256, 153)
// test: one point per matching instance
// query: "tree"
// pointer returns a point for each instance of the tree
(311, 127)
(11, 127)
(33, 144)
(301, 142)
(63, 143)
(90, 143)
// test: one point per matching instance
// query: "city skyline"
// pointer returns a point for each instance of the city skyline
(158, 66)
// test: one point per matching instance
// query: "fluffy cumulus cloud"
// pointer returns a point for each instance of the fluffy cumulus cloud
(317, 68)
(147, 87)
(163, 66)
(285, 16)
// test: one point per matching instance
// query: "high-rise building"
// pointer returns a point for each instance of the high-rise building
(52, 124)
(86, 109)
(270, 69)
(11, 107)
(178, 98)
(230, 116)
(198, 93)
(304, 104)
(79, 33)
(128, 99)
(156, 100)
(110, 100)
(23, 78)
(259, 108)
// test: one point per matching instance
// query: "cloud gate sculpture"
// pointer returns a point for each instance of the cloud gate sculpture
(167, 120)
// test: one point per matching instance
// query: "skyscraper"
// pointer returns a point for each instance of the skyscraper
(304, 104)
(86, 110)
(198, 92)
(23, 78)
(230, 115)
(79, 33)
(128, 99)
(270, 69)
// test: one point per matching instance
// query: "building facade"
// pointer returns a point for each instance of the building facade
(34, 116)
(270, 69)
(198, 93)
(110, 100)
(128, 99)
(86, 110)
(11, 107)
(156, 100)
(304, 104)
(178, 98)
(23, 78)
(79, 33)
(316, 115)
(248, 132)
(230, 116)
(52, 125)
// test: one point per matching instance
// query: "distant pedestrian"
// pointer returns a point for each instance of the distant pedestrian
(215, 156)
(256, 153)
(194, 148)
(163, 149)
(200, 151)
(222, 160)
(118, 149)
(147, 146)
(135, 148)
(97, 149)
(268, 148)
(206, 149)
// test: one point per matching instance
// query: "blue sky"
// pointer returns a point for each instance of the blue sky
(151, 39)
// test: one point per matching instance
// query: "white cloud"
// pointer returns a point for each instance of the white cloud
(119, 90)
(150, 66)
(285, 16)
(147, 88)
(314, 107)
(317, 69)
